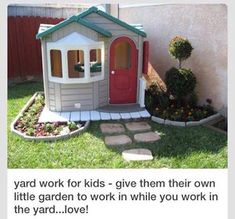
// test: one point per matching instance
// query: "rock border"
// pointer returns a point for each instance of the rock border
(185, 124)
(43, 138)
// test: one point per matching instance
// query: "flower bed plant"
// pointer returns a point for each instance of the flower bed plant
(184, 113)
(28, 122)
(179, 101)
(161, 104)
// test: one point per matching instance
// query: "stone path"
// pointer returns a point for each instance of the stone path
(144, 134)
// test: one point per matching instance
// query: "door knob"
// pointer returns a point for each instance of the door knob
(112, 72)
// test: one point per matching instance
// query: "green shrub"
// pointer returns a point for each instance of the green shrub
(72, 126)
(155, 97)
(39, 99)
(30, 132)
(49, 127)
(180, 82)
(192, 99)
(209, 109)
(198, 114)
(149, 102)
(180, 48)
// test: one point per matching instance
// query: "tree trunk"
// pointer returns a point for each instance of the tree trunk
(180, 63)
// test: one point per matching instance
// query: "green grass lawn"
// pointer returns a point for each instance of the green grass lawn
(195, 147)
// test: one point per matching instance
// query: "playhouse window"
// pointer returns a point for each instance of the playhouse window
(95, 62)
(75, 59)
(122, 59)
(75, 63)
(56, 65)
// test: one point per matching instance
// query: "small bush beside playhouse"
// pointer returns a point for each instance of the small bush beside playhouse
(179, 101)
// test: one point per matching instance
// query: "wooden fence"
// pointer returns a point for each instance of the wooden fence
(24, 50)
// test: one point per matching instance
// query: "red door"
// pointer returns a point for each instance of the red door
(123, 71)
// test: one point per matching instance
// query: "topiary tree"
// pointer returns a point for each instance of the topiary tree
(180, 48)
(180, 82)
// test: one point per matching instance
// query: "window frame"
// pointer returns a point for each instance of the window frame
(98, 72)
(64, 60)
(68, 59)
(54, 73)
(119, 62)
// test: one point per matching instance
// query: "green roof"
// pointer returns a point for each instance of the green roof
(81, 21)
(94, 27)
(80, 18)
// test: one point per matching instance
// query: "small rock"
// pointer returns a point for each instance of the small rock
(65, 131)
(138, 126)
(111, 128)
(117, 140)
(137, 154)
(146, 137)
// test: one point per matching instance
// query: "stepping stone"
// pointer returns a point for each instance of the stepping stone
(117, 140)
(146, 137)
(137, 154)
(111, 128)
(138, 126)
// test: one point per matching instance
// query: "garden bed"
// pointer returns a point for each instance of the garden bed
(165, 109)
(27, 126)
(177, 104)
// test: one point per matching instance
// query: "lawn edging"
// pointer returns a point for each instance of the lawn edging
(185, 124)
(43, 138)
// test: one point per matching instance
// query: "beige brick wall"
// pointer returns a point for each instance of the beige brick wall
(206, 28)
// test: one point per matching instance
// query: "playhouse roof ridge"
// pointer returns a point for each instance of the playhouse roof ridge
(80, 18)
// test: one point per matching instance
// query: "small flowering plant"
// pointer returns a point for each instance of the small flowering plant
(185, 113)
